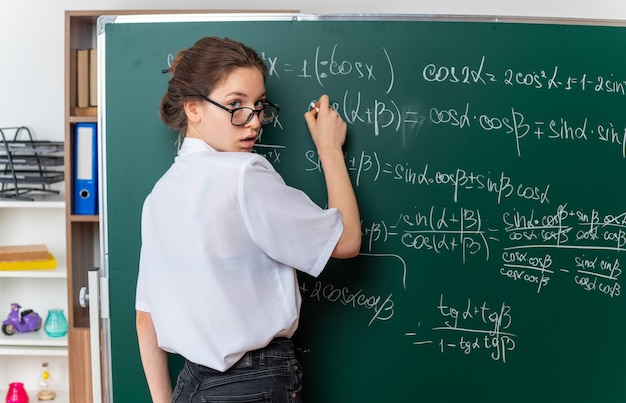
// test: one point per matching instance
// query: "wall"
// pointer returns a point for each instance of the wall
(32, 35)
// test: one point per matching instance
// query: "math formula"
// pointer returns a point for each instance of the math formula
(384, 114)
(471, 328)
(498, 173)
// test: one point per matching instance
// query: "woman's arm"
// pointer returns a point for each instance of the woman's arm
(328, 131)
(154, 360)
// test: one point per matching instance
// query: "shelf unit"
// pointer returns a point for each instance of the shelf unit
(34, 222)
(81, 231)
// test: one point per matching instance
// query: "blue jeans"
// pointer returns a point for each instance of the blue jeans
(269, 375)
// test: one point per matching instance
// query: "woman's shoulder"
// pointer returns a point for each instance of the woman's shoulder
(245, 160)
(198, 151)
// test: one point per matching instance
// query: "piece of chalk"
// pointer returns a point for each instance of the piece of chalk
(312, 106)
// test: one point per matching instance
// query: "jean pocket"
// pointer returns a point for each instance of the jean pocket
(296, 376)
(180, 385)
(263, 397)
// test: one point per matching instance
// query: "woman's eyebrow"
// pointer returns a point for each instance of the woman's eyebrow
(243, 94)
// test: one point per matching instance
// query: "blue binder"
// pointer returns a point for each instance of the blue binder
(86, 169)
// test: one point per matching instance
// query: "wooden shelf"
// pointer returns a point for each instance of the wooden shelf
(33, 343)
(61, 397)
(84, 218)
(35, 351)
(41, 201)
(83, 119)
(60, 272)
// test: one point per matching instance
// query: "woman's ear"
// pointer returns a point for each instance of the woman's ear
(192, 110)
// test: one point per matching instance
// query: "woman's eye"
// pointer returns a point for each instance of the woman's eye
(258, 104)
(235, 104)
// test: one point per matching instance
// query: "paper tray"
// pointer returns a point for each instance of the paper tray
(30, 146)
(32, 177)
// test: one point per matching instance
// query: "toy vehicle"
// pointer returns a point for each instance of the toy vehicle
(24, 321)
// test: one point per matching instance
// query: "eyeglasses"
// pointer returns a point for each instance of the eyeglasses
(241, 116)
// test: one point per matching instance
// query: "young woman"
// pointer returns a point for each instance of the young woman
(223, 236)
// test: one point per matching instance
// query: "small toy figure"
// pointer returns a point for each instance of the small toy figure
(24, 321)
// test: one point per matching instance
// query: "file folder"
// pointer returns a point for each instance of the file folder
(86, 169)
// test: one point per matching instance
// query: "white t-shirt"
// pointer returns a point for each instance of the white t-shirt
(221, 236)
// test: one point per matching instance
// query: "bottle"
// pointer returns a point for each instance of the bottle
(16, 393)
(56, 324)
(43, 384)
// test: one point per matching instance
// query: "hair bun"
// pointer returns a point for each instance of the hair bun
(176, 62)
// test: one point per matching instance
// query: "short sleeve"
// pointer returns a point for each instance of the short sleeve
(141, 300)
(141, 296)
(284, 222)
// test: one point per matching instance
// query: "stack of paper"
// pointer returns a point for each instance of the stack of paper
(26, 257)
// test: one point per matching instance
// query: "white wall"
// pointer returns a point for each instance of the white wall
(32, 36)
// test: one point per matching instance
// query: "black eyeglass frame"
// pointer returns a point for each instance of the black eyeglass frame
(232, 111)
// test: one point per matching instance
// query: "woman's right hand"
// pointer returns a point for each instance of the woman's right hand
(328, 129)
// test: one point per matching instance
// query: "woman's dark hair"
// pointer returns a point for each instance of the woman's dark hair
(197, 70)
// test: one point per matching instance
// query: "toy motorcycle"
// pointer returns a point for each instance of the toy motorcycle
(24, 321)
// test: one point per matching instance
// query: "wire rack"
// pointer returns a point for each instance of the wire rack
(28, 165)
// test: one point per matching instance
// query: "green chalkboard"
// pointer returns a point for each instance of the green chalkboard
(487, 158)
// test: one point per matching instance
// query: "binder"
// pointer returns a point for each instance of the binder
(93, 77)
(82, 81)
(86, 169)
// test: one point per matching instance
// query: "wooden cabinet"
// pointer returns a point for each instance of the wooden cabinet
(81, 230)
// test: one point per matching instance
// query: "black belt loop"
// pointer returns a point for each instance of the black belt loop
(262, 357)
(244, 362)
